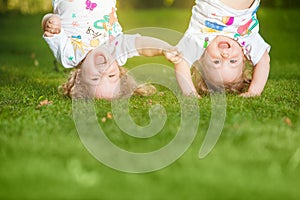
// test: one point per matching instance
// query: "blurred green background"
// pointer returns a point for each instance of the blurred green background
(35, 6)
(42, 157)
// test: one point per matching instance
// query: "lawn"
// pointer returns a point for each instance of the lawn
(42, 157)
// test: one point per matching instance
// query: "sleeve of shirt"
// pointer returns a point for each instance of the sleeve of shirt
(125, 48)
(190, 49)
(63, 50)
(256, 48)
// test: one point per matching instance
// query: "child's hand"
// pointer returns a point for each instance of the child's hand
(173, 55)
(249, 95)
(51, 25)
(195, 94)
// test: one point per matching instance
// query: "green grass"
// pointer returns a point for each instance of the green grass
(42, 157)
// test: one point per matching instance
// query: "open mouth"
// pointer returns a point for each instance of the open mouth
(100, 59)
(224, 45)
(101, 63)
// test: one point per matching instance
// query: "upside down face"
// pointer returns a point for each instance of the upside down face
(101, 73)
(223, 61)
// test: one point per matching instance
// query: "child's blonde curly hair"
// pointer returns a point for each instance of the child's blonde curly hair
(75, 89)
(204, 86)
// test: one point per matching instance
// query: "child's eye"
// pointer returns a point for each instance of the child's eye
(233, 61)
(216, 62)
(111, 75)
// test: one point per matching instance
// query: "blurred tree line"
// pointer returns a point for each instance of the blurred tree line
(35, 6)
(190, 3)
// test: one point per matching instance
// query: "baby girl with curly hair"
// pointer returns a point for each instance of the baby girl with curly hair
(87, 36)
(221, 40)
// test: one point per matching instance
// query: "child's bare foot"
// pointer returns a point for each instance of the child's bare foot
(51, 25)
(145, 90)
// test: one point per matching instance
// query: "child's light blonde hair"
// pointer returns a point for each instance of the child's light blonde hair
(76, 89)
(204, 85)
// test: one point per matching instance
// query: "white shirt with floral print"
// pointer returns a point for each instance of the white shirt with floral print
(86, 24)
(211, 18)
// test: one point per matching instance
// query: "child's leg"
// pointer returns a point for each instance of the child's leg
(51, 24)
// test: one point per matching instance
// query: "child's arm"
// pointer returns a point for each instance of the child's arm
(148, 46)
(260, 77)
(59, 43)
(184, 78)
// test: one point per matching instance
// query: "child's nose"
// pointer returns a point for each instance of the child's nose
(225, 54)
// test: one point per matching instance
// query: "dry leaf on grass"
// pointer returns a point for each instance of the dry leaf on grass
(288, 121)
(109, 115)
(103, 120)
(44, 103)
